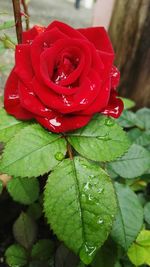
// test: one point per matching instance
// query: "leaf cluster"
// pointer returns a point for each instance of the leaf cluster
(92, 185)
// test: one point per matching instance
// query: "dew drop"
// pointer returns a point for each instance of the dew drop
(105, 137)
(84, 165)
(90, 197)
(91, 176)
(87, 252)
(54, 122)
(100, 190)
(45, 45)
(59, 156)
(84, 101)
(100, 221)
(109, 122)
(87, 186)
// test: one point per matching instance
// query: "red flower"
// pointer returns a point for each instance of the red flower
(62, 77)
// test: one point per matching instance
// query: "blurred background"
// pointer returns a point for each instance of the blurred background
(128, 24)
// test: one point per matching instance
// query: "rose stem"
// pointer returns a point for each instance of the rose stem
(18, 21)
(69, 150)
(25, 7)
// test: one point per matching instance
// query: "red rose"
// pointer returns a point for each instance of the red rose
(62, 77)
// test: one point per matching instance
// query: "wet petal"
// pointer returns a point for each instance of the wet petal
(23, 66)
(12, 100)
(58, 123)
(29, 36)
(31, 102)
(115, 106)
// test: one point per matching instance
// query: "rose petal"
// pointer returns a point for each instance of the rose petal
(66, 29)
(101, 100)
(99, 37)
(47, 63)
(114, 107)
(29, 36)
(59, 123)
(49, 57)
(87, 92)
(31, 102)
(12, 101)
(107, 60)
(42, 42)
(23, 67)
(115, 77)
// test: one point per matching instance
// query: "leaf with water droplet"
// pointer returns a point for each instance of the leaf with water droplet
(72, 195)
(31, 152)
(109, 121)
(100, 140)
(59, 156)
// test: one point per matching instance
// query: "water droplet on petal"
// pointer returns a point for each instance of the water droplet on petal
(54, 122)
(84, 101)
(66, 101)
(59, 156)
(92, 87)
(45, 45)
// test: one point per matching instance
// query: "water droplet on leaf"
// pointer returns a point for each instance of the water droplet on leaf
(100, 190)
(109, 122)
(105, 137)
(59, 156)
(87, 252)
(100, 221)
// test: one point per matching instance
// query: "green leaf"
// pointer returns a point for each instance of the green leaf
(80, 205)
(9, 126)
(1, 99)
(39, 264)
(133, 164)
(147, 212)
(101, 140)
(35, 211)
(127, 119)
(129, 219)
(139, 137)
(16, 256)
(32, 152)
(128, 103)
(25, 230)
(117, 264)
(23, 190)
(139, 252)
(106, 256)
(1, 186)
(42, 250)
(7, 25)
(81, 264)
(65, 257)
(144, 115)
